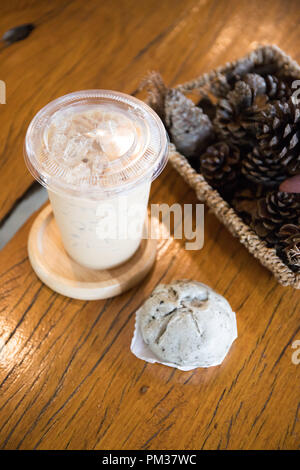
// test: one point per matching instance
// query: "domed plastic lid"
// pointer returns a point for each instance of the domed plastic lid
(95, 143)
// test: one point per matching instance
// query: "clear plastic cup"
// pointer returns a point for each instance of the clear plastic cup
(97, 152)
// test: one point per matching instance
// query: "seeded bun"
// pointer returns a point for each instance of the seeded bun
(186, 323)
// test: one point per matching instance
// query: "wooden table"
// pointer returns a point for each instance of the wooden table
(68, 378)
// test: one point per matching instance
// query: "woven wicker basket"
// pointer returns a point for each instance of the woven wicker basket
(205, 193)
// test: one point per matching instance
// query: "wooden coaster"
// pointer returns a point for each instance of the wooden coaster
(61, 273)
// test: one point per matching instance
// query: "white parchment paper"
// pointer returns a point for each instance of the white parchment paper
(142, 351)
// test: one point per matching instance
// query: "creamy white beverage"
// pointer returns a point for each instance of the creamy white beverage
(83, 225)
(97, 153)
(85, 141)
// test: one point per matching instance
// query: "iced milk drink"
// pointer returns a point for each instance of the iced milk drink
(97, 153)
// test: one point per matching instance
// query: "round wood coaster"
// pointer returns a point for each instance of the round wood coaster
(61, 273)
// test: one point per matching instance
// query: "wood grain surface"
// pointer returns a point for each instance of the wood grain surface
(67, 377)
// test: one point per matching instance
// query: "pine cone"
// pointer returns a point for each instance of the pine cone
(256, 82)
(220, 165)
(222, 83)
(262, 169)
(240, 70)
(220, 86)
(274, 210)
(289, 236)
(279, 134)
(277, 89)
(237, 113)
(273, 87)
(190, 129)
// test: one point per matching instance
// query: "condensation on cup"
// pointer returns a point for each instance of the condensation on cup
(97, 152)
